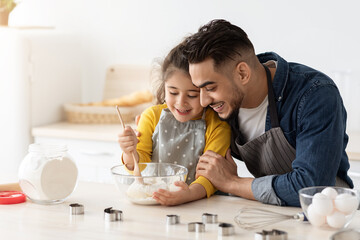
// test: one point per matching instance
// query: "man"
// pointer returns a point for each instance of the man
(287, 120)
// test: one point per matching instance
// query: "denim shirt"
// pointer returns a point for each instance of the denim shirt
(313, 118)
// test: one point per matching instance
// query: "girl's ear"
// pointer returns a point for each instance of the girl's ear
(243, 73)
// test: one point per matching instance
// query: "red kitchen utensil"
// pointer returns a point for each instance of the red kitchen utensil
(12, 197)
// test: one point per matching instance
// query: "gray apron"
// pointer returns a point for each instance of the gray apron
(270, 153)
(179, 142)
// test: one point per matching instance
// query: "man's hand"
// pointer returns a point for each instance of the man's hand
(222, 173)
(217, 169)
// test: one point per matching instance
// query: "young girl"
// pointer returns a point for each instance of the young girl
(178, 130)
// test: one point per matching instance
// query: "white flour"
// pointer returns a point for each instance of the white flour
(58, 178)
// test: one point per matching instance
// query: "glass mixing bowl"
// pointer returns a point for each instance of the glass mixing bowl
(154, 176)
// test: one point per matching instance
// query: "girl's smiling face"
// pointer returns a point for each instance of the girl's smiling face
(182, 97)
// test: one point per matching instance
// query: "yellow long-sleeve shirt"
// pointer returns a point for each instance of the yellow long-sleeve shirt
(217, 138)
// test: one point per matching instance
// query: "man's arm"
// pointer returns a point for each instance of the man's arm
(320, 143)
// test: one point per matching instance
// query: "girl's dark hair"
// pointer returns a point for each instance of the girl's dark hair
(174, 61)
(219, 40)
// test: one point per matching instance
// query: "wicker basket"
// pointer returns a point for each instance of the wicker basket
(120, 81)
(75, 113)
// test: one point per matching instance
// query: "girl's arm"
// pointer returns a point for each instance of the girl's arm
(183, 195)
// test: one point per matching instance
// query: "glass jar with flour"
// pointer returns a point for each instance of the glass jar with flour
(48, 174)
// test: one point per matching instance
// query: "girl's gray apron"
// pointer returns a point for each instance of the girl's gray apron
(179, 143)
(270, 153)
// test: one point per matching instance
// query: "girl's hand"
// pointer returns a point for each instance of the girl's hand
(127, 140)
(165, 197)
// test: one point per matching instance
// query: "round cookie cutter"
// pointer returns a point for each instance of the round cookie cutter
(196, 227)
(274, 234)
(209, 218)
(76, 209)
(226, 229)
(112, 215)
(172, 219)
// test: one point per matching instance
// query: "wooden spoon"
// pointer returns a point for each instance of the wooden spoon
(136, 165)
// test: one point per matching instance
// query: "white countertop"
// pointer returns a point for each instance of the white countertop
(33, 221)
(108, 132)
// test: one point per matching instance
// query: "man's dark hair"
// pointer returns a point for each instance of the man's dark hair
(219, 40)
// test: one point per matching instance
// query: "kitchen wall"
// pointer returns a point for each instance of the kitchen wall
(323, 33)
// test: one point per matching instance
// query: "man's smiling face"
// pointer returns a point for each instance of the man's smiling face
(216, 89)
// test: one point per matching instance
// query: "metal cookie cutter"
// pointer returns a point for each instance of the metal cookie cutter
(76, 209)
(196, 227)
(225, 229)
(209, 218)
(112, 215)
(271, 235)
(172, 219)
(348, 234)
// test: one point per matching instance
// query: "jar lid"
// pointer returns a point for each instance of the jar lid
(12, 197)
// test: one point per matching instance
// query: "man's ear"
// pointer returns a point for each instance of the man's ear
(243, 72)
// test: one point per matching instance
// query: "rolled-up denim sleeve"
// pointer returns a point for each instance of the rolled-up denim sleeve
(263, 190)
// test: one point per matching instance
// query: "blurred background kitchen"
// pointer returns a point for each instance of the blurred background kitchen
(55, 52)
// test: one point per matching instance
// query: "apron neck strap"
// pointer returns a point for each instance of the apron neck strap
(271, 98)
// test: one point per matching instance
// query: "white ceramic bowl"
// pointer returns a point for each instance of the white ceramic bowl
(329, 206)
(154, 176)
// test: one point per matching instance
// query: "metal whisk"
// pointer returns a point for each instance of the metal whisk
(253, 218)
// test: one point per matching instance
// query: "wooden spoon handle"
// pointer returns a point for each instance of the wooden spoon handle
(136, 165)
(120, 118)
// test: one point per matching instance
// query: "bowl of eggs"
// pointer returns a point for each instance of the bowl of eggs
(154, 176)
(329, 206)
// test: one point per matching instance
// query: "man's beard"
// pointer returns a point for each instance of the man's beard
(234, 105)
